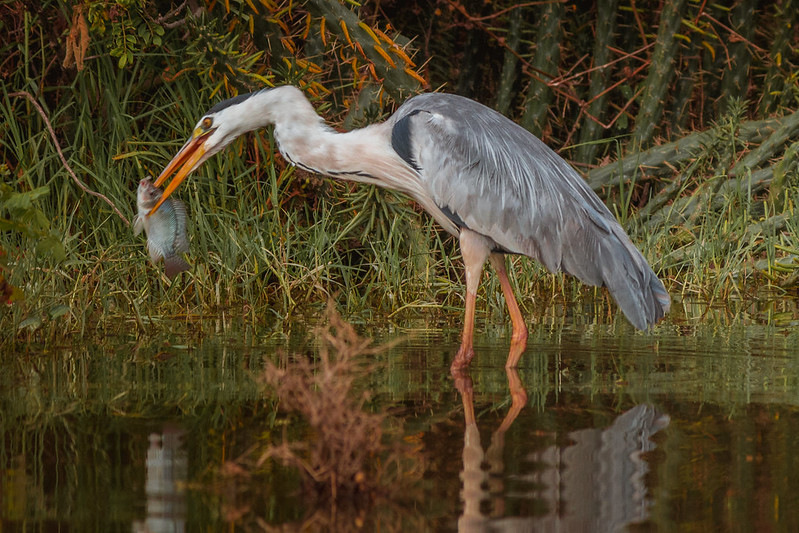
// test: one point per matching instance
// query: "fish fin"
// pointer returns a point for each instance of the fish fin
(138, 224)
(155, 252)
(174, 265)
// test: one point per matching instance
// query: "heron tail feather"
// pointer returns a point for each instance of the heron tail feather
(635, 286)
(611, 260)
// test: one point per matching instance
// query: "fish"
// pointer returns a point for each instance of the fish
(165, 229)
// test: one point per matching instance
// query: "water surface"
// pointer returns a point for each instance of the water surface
(690, 428)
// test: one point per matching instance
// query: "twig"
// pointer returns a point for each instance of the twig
(563, 79)
(638, 22)
(75, 178)
(736, 34)
(174, 24)
(164, 18)
(458, 6)
(552, 81)
(623, 109)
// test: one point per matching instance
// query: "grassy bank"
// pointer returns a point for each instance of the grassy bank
(270, 242)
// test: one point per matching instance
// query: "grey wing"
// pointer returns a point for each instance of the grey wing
(492, 176)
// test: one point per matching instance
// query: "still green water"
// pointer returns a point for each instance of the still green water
(693, 427)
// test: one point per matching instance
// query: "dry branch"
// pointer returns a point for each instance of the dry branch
(75, 178)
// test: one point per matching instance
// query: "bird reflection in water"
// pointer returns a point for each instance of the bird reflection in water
(596, 483)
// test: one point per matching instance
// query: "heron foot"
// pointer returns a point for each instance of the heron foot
(462, 360)
(518, 344)
(463, 381)
(519, 337)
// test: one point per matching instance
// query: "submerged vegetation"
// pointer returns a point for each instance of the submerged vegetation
(683, 119)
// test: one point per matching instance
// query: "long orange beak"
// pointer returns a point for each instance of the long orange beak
(183, 162)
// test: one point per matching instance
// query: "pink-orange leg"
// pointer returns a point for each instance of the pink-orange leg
(518, 341)
(466, 350)
(475, 249)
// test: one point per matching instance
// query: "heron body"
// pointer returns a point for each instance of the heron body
(482, 177)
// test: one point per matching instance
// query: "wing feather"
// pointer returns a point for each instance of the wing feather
(501, 181)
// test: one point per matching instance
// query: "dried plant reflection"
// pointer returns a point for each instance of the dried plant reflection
(351, 459)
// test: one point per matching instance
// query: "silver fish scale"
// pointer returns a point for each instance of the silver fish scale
(166, 228)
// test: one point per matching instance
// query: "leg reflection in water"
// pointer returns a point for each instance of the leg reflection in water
(473, 477)
(596, 483)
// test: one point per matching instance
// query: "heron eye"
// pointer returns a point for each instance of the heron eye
(207, 123)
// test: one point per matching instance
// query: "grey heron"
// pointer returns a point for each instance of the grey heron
(486, 180)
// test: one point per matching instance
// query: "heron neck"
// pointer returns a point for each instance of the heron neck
(364, 155)
(314, 146)
(308, 142)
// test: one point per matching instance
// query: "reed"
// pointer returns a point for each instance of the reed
(271, 242)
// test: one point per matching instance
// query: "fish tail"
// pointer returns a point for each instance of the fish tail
(174, 265)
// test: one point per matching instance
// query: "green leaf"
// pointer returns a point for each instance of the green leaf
(22, 201)
(51, 245)
(38, 219)
(59, 310)
(9, 225)
(626, 91)
(32, 322)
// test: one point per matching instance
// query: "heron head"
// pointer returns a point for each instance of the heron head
(214, 131)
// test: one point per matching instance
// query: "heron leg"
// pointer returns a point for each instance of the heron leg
(475, 249)
(518, 341)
